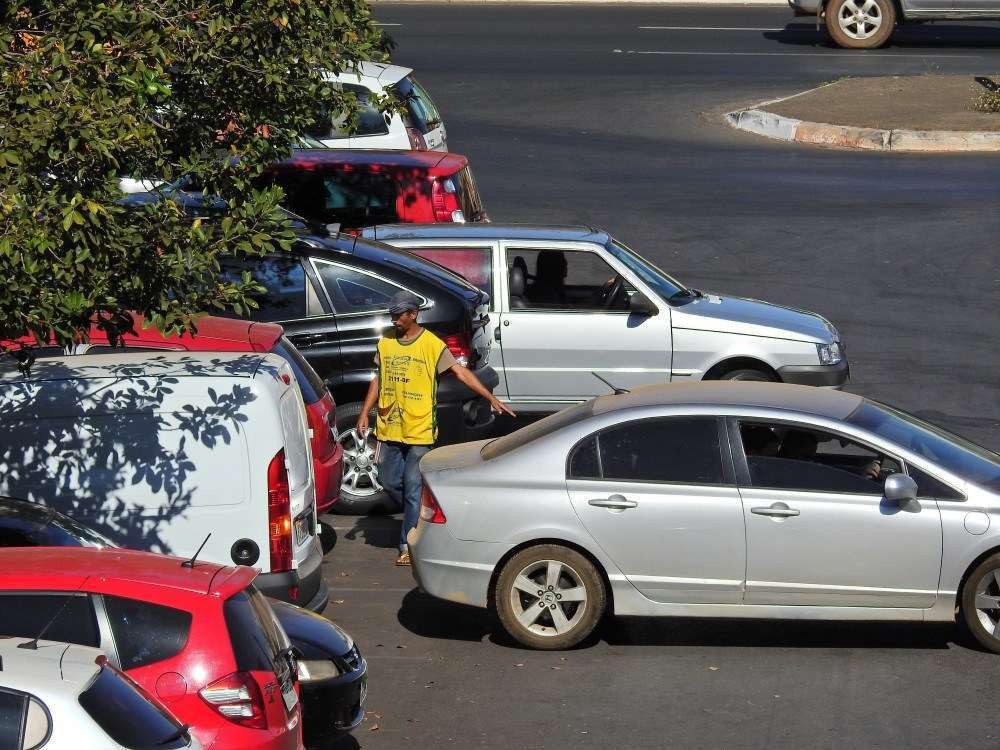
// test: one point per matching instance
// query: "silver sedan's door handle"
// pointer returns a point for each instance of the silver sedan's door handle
(615, 502)
(777, 509)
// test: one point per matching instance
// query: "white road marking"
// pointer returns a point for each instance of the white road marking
(792, 54)
(387, 24)
(714, 28)
(339, 589)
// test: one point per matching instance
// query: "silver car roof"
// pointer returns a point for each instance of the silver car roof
(728, 393)
(53, 667)
(139, 364)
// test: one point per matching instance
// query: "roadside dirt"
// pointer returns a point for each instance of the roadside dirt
(931, 102)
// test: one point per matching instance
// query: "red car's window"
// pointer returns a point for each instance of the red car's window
(144, 632)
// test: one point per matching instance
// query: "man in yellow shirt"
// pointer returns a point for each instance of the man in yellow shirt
(405, 389)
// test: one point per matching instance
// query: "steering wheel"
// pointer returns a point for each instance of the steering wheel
(611, 292)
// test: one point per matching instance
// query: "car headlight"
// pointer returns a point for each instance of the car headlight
(829, 354)
(313, 670)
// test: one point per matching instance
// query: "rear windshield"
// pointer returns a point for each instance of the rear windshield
(420, 109)
(310, 383)
(258, 642)
(369, 119)
(537, 430)
(468, 194)
(128, 717)
(349, 197)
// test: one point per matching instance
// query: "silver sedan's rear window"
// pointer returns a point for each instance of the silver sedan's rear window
(536, 430)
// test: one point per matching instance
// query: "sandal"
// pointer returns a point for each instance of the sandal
(404, 559)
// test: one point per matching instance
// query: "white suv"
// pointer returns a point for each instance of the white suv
(418, 128)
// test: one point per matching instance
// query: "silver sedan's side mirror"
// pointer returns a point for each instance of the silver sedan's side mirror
(640, 304)
(900, 488)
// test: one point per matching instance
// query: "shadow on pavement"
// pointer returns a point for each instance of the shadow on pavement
(346, 742)
(426, 616)
(906, 36)
(376, 531)
(779, 633)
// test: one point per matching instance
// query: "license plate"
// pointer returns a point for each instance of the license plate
(290, 697)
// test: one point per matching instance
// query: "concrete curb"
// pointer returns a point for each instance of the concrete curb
(738, 3)
(778, 127)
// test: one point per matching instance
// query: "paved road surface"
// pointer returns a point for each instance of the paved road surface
(574, 114)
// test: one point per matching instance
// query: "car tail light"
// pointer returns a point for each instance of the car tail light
(460, 347)
(445, 202)
(430, 511)
(417, 142)
(279, 519)
(237, 698)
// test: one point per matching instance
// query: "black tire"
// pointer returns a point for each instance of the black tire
(576, 572)
(883, 10)
(748, 373)
(358, 504)
(968, 613)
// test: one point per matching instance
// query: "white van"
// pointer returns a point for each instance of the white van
(157, 451)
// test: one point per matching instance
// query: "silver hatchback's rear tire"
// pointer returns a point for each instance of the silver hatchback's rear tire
(980, 608)
(549, 597)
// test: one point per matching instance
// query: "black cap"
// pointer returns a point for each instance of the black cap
(403, 301)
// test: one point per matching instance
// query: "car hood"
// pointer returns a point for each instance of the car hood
(314, 635)
(750, 317)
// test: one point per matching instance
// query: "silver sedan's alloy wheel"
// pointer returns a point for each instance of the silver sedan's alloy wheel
(360, 470)
(988, 602)
(548, 598)
(860, 19)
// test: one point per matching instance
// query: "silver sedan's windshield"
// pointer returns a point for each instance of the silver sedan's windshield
(949, 451)
(664, 285)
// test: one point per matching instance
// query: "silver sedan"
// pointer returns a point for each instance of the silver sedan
(715, 500)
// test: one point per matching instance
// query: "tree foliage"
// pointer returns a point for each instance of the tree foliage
(95, 89)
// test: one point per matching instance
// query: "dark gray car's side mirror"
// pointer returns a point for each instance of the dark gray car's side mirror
(900, 488)
(640, 304)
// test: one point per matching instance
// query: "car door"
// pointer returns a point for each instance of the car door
(820, 532)
(559, 332)
(658, 496)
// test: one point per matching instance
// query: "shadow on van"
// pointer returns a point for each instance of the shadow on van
(127, 447)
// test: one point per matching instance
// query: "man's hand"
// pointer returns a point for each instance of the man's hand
(500, 407)
(362, 424)
(873, 470)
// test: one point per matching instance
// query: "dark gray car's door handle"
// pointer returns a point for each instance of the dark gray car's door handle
(777, 509)
(304, 340)
(615, 502)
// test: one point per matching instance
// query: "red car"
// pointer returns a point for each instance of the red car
(355, 189)
(198, 636)
(225, 335)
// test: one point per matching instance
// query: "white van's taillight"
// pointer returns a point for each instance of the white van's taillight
(279, 516)
(237, 698)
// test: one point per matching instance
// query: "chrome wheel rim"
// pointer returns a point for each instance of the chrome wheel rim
(860, 19)
(988, 602)
(548, 598)
(360, 471)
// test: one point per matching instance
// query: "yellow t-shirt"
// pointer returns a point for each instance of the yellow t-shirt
(407, 398)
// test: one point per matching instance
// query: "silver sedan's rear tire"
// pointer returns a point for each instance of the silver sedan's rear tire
(549, 597)
(860, 24)
(980, 610)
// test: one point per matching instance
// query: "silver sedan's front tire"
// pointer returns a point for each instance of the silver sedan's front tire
(549, 597)
(981, 603)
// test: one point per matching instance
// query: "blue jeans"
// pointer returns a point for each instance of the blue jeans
(399, 473)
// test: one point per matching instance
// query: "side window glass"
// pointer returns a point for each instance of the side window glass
(682, 450)
(72, 617)
(474, 263)
(146, 633)
(284, 282)
(13, 707)
(37, 726)
(931, 488)
(566, 280)
(352, 291)
(16, 534)
(793, 458)
(584, 462)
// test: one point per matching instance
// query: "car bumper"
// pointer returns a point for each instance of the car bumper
(329, 474)
(450, 568)
(805, 6)
(828, 376)
(306, 582)
(335, 705)
(462, 415)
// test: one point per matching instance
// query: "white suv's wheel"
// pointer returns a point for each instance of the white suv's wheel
(860, 24)
(549, 597)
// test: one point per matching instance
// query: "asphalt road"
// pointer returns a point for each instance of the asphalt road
(576, 114)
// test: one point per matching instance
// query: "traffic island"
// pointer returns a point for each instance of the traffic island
(932, 113)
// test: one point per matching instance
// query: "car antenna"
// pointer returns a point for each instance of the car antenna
(618, 391)
(190, 563)
(32, 645)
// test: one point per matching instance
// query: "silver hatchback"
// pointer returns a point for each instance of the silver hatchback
(715, 500)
